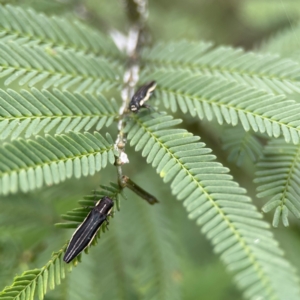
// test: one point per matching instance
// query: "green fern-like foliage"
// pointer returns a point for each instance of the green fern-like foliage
(37, 282)
(28, 164)
(241, 144)
(30, 28)
(267, 72)
(35, 111)
(55, 52)
(207, 97)
(157, 279)
(211, 197)
(278, 178)
(55, 67)
(278, 174)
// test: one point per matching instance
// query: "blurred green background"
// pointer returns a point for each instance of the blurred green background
(127, 251)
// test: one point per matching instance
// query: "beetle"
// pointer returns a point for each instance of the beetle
(141, 96)
(86, 231)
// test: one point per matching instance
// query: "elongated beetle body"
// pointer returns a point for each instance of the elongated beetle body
(86, 231)
(141, 96)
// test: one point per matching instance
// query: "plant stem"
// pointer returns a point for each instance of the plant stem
(137, 14)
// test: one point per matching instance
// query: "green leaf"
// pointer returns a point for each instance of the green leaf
(58, 68)
(35, 281)
(264, 72)
(279, 179)
(208, 97)
(36, 111)
(241, 144)
(28, 164)
(53, 32)
(217, 203)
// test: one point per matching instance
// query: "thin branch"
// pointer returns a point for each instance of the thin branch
(130, 79)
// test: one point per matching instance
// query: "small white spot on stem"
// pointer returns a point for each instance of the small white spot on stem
(124, 158)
